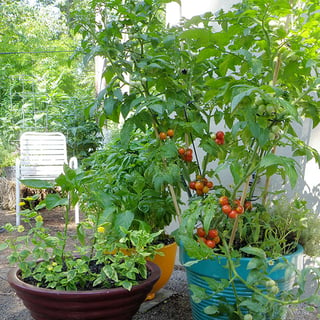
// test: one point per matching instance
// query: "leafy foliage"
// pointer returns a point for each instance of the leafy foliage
(135, 178)
(105, 253)
(41, 86)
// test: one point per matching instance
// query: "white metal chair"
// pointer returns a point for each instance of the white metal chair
(42, 156)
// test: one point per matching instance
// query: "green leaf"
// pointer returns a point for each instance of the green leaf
(37, 184)
(255, 263)
(109, 104)
(125, 133)
(261, 134)
(238, 98)
(3, 246)
(211, 310)
(53, 200)
(202, 36)
(157, 108)
(123, 219)
(81, 234)
(254, 251)
(272, 160)
(198, 293)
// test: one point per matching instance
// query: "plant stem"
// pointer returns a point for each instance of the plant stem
(267, 184)
(171, 189)
(256, 290)
(236, 223)
(65, 229)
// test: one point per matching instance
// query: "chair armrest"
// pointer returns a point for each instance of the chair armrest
(73, 163)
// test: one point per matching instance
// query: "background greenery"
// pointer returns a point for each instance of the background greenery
(42, 85)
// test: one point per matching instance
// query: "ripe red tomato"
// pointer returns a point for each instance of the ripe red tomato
(201, 232)
(210, 243)
(187, 158)
(162, 135)
(189, 152)
(212, 233)
(199, 185)
(219, 141)
(248, 205)
(226, 208)
(237, 202)
(233, 214)
(170, 133)
(209, 184)
(202, 239)
(240, 209)
(192, 185)
(217, 239)
(220, 135)
(223, 200)
(181, 151)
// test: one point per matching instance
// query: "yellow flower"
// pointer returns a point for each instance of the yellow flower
(54, 264)
(39, 218)
(20, 228)
(22, 203)
(50, 268)
(101, 229)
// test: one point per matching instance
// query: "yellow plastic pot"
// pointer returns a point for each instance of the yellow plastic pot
(166, 263)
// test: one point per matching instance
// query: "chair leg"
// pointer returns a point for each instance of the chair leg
(76, 214)
(17, 202)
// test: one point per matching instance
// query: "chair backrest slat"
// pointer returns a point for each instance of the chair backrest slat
(42, 155)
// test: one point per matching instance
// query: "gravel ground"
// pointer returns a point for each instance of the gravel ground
(174, 297)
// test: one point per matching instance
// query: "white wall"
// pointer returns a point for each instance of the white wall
(190, 8)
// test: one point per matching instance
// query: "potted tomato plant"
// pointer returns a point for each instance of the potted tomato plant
(222, 97)
(88, 274)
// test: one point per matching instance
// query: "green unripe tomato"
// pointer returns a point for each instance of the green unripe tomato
(274, 289)
(276, 130)
(259, 102)
(262, 109)
(270, 283)
(248, 316)
(213, 136)
(272, 136)
(270, 108)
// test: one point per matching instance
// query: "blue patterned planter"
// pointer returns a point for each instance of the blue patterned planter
(216, 269)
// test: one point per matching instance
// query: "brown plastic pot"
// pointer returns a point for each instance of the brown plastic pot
(102, 304)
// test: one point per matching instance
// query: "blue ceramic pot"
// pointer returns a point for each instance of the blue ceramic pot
(216, 269)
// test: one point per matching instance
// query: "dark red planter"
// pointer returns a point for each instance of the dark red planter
(118, 303)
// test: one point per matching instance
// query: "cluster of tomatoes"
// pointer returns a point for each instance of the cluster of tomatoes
(164, 135)
(218, 137)
(211, 239)
(186, 154)
(201, 185)
(232, 210)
